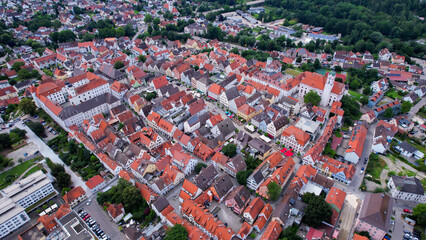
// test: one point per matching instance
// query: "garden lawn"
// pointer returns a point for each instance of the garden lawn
(16, 172)
(356, 95)
(392, 94)
(292, 72)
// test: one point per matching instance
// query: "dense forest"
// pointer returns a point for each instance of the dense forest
(364, 24)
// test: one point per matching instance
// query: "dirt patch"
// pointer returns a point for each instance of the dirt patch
(347, 216)
(371, 186)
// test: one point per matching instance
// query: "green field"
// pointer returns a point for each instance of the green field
(15, 172)
(292, 72)
(356, 95)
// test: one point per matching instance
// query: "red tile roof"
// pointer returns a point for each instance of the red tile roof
(74, 194)
(94, 181)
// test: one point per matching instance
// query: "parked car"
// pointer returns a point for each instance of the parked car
(407, 211)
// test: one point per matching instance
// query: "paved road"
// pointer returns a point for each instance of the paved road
(416, 108)
(47, 152)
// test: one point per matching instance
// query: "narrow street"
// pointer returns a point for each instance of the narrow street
(414, 109)
(47, 152)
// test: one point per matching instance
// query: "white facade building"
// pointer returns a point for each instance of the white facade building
(12, 216)
(29, 190)
(407, 188)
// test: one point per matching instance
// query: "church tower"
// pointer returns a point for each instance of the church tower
(325, 98)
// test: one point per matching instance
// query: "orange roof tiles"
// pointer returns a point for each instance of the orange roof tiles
(90, 86)
(74, 194)
(160, 82)
(301, 136)
(272, 232)
(336, 198)
(359, 237)
(356, 142)
(115, 210)
(254, 207)
(216, 89)
(94, 181)
(206, 220)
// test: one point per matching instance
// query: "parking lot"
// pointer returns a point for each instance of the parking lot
(103, 220)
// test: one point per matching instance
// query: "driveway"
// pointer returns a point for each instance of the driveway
(49, 153)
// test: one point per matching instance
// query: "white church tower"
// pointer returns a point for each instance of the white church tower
(325, 98)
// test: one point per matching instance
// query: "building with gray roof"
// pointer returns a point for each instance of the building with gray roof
(407, 188)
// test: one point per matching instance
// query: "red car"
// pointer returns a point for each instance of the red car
(407, 211)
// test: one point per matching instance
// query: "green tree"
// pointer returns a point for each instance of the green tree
(388, 113)
(150, 96)
(230, 150)
(317, 210)
(63, 179)
(242, 176)
(419, 212)
(148, 18)
(177, 232)
(312, 97)
(406, 107)
(27, 106)
(20, 132)
(142, 58)
(156, 21)
(364, 100)
(199, 166)
(274, 190)
(17, 66)
(4, 140)
(118, 64)
(37, 128)
(90, 69)
(354, 85)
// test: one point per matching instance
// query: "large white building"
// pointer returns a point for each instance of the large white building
(89, 90)
(12, 216)
(407, 188)
(329, 90)
(29, 190)
(21, 195)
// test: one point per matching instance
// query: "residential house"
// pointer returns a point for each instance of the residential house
(116, 211)
(356, 142)
(238, 199)
(295, 138)
(276, 127)
(383, 136)
(409, 150)
(95, 183)
(74, 196)
(253, 209)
